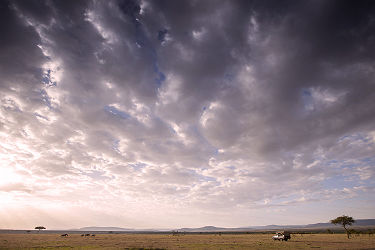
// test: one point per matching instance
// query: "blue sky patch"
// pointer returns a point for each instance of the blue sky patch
(114, 111)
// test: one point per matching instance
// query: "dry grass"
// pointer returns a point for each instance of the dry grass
(189, 241)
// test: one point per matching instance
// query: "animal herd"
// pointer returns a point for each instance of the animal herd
(92, 235)
(83, 235)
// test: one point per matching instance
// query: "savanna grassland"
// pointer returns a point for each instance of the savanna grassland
(188, 241)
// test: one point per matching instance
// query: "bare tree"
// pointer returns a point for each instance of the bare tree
(344, 221)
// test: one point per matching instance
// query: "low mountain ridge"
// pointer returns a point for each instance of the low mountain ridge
(358, 223)
(104, 229)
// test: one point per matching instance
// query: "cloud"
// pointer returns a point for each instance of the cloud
(195, 108)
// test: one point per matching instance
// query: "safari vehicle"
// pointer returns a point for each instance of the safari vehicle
(282, 235)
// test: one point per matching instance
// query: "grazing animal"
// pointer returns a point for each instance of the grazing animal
(64, 235)
(93, 235)
(87, 234)
(82, 235)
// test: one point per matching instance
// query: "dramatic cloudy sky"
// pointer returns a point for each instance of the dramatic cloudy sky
(164, 114)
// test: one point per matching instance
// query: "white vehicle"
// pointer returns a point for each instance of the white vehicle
(283, 235)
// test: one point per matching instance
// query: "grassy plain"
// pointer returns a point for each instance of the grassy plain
(188, 241)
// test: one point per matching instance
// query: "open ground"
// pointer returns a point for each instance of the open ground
(188, 241)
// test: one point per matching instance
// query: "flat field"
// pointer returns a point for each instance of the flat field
(188, 241)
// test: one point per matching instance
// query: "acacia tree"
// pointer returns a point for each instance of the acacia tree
(40, 227)
(344, 221)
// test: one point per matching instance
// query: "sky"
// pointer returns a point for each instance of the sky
(170, 114)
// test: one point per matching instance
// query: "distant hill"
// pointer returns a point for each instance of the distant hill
(104, 229)
(358, 223)
(205, 229)
(366, 222)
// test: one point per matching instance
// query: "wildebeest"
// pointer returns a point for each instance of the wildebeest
(87, 234)
(93, 235)
(64, 235)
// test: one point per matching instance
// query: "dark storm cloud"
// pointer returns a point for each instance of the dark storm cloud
(312, 46)
(200, 104)
(20, 57)
(326, 45)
